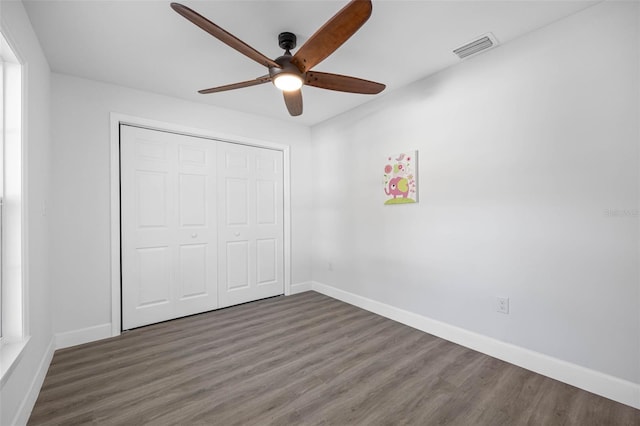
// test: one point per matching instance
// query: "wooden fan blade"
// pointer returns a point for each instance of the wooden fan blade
(293, 100)
(343, 83)
(332, 34)
(223, 35)
(248, 83)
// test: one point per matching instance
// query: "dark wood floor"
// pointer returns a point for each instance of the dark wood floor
(304, 359)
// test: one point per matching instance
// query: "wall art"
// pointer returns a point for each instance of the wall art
(401, 178)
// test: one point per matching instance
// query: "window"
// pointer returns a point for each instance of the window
(13, 333)
(1, 179)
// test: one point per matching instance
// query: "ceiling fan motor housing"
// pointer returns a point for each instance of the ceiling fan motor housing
(287, 67)
(287, 41)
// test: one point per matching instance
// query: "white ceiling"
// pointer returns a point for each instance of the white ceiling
(146, 45)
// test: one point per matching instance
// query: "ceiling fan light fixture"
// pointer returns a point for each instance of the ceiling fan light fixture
(288, 82)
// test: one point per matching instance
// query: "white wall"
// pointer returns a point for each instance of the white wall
(523, 151)
(528, 158)
(81, 141)
(19, 389)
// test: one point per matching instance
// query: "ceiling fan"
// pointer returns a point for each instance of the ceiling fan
(290, 72)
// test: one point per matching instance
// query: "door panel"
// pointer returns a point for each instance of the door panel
(237, 202)
(193, 200)
(251, 228)
(235, 160)
(169, 226)
(237, 265)
(151, 199)
(193, 155)
(266, 208)
(267, 258)
(154, 276)
(192, 276)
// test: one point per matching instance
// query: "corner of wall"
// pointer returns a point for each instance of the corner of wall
(83, 335)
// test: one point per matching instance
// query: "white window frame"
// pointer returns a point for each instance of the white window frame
(1, 179)
(13, 285)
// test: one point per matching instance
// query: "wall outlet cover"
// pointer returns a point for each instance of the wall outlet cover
(502, 305)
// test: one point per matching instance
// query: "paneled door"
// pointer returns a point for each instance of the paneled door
(168, 225)
(250, 242)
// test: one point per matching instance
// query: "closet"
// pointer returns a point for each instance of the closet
(201, 224)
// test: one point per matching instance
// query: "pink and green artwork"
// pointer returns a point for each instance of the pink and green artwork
(401, 178)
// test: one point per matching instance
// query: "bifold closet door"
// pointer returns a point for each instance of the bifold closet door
(250, 230)
(168, 226)
(201, 225)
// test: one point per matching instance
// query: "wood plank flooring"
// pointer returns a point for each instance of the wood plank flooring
(302, 360)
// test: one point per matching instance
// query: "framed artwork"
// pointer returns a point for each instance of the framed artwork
(401, 178)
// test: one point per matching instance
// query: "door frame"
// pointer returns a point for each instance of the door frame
(116, 119)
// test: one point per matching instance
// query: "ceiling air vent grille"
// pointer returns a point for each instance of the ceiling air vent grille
(481, 44)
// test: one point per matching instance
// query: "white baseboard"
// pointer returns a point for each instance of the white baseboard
(301, 287)
(83, 335)
(104, 331)
(29, 401)
(593, 381)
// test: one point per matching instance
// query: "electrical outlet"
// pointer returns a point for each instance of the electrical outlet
(503, 305)
(330, 266)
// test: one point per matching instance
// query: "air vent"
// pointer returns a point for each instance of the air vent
(481, 44)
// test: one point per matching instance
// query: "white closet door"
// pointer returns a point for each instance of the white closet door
(250, 203)
(169, 223)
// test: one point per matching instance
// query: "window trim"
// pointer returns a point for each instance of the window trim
(15, 333)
